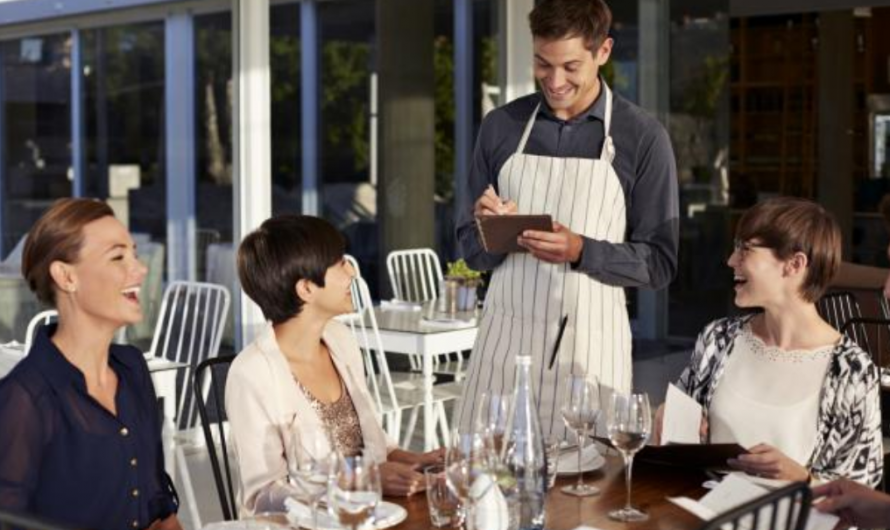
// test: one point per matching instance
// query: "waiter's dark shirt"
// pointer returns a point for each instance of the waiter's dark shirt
(66, 458)
(645, 165)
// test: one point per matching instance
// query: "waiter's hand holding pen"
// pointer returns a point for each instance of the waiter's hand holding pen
(490, 204)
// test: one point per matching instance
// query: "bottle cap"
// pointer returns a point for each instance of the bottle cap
(524, 359)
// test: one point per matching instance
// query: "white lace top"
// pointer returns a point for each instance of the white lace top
(769, 395)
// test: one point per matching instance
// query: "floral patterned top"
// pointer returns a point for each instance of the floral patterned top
(849, 442)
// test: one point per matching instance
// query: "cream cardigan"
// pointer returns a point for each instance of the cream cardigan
(265, 407)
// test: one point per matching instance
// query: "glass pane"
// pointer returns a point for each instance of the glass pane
(287, 135)
(699, 127)
(123, 69)
(37, 130)
(36, 103)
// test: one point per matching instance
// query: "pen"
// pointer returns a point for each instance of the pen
(562, 328)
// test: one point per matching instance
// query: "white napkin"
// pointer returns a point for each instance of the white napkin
(400, 305)
(447, 323)
(568, 459)
(491, 509)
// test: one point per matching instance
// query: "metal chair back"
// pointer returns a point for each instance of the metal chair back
(786, 508)
(414, 274)
(209, 387)
(838, 307)
(42, 318)
(189, 330)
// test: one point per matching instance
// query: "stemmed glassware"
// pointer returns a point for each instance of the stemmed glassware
(355, 491)
(630, 423)
(580, 410)
(491, 419)
(310, 467)
(469, 471)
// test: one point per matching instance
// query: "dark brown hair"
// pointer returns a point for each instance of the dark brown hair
(566, 19)
(57, 236)
(788, 225)
(281, 252)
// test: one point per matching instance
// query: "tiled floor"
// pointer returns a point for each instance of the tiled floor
(652, 371)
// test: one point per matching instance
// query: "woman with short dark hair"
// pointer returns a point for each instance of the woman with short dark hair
(304, 374)
(80, 433)
(783, 383)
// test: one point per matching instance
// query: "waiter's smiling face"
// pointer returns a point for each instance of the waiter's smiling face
(567, 72)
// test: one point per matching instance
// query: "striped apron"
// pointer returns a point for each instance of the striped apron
(527, 297)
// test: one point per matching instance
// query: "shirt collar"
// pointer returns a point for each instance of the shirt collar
(597, 111)
(58, 369)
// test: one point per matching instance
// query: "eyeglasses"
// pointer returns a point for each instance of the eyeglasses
(743, 246)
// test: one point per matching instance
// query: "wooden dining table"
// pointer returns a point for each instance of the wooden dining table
(652, 484)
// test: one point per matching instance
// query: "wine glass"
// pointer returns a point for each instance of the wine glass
(491, 418)
(310, 467)
(630, 423)
(469, 465)
(580, 412)
(355, 491)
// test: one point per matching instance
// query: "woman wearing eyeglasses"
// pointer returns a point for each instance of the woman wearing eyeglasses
(782, 382)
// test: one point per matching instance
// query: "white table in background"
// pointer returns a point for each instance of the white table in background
(401, 331)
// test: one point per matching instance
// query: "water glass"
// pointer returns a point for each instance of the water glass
(311, 463)
(553, 447)
(443, 503)
(355, 491)
(630, 423)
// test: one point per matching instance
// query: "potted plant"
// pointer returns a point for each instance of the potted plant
(460, 286)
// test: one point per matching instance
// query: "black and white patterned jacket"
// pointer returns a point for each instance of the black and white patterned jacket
(849, 419)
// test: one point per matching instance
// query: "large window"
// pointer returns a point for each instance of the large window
(123, 69)
(699, 128)
(36, 130)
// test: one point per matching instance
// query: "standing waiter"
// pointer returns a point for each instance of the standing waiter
(605, 171)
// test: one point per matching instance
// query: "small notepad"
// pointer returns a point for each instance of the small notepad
(499, 232)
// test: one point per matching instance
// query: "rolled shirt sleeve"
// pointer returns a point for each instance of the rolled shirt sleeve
(482, 174)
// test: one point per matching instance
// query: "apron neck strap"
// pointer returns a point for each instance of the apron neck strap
(606, 126)
(528, 129)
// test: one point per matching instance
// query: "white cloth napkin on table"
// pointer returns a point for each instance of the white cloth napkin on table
(568, 459)
(491, 507)
(400, 305)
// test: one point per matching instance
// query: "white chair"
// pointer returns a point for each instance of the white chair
(42, 318)
(390, 398)
(189, 330)
(414, 274)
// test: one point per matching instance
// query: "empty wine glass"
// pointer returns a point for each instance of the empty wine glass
(310, 467)
(355, 491)
(580, 411)
(469, 464)
(491, 418)
(630, 423)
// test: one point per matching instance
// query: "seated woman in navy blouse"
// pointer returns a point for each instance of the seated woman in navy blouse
(80, 434)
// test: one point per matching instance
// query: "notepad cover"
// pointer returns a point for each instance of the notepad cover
(499, 232)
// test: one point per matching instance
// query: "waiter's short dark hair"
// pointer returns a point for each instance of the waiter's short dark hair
(281, 252)
(787, 225)
(566, 19)
(57, 236)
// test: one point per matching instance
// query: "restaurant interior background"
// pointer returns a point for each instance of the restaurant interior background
(760, 98)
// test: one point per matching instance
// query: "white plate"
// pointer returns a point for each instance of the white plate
(261, 522)
(568, 462)
(386, 515)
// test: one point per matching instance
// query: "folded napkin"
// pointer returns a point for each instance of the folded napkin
(491, 507)
(447, 323)
(568, 459)
(399, 305)
(299, 515)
